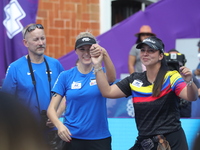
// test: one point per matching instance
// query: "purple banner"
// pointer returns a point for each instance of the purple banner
(169, 19)
(15, 14)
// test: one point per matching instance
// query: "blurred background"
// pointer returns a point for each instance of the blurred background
(114, 23)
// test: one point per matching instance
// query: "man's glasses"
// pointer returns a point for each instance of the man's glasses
(33, 27)
(150, 51)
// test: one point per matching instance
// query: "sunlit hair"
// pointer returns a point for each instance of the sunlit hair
(25, 28)
(85, 34)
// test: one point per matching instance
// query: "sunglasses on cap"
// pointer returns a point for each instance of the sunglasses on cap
(33, 27)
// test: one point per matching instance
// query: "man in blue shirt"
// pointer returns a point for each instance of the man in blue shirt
(31, 77)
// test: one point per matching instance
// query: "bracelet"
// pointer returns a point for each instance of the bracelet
(190, 82)
(96, 70)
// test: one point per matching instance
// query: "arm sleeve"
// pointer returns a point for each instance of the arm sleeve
(10, 82)
(61, 68)
(59, 86)
(177, 82)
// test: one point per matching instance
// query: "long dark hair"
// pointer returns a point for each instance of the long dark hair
(160, 77)
(138, 39)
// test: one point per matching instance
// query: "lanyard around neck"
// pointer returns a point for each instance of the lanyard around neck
(34, 81)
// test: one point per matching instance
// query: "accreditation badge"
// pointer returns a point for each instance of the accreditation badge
(137, 83)
(76, 85)
(93, 82)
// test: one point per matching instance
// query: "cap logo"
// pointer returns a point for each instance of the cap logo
(152, 42)
(149, 40)
(86, 39)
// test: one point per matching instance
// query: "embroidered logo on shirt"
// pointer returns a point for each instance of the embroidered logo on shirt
(28, 73)
(76, 85)
(137, 83)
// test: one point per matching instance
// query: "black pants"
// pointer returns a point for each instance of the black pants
(55, 142)
(177, 141)
(79, 144)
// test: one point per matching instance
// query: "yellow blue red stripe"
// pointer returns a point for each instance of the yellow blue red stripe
(171, 80)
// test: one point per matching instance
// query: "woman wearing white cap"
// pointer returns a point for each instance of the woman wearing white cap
(85, 121)
(155, 96)
(134, 63)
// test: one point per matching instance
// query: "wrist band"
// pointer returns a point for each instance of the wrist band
(96, 70)
(190, 82)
